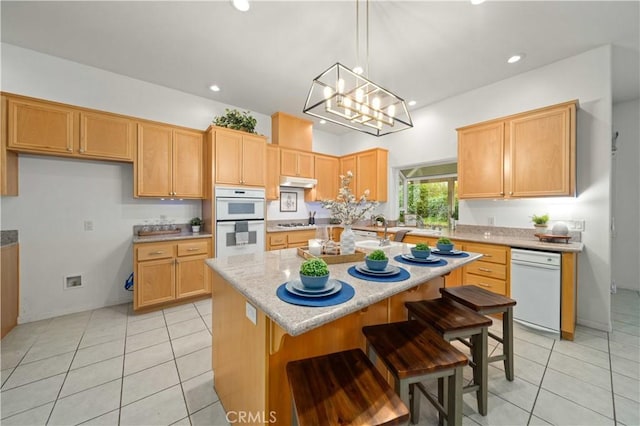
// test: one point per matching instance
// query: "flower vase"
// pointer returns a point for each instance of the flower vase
(347, 241)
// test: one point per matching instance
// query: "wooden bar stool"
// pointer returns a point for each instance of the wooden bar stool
(414, 353)
(486, 302)
(453, 321)
(343, 388)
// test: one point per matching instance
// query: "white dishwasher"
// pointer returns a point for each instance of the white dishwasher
(535, 285)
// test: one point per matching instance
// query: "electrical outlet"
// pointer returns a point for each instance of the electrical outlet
(88, 225)
(251, 313)
(73, 281)
(492, 220)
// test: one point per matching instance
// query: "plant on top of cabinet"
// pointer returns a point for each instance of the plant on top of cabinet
(234, 119)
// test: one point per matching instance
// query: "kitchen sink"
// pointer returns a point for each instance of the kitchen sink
(375, 244)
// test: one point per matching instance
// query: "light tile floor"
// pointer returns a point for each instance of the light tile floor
(110, 366)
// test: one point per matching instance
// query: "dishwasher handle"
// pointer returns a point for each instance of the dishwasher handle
(535, 265)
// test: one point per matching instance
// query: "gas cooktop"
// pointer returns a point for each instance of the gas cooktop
(295, 225)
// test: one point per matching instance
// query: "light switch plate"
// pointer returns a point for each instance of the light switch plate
(251, 313)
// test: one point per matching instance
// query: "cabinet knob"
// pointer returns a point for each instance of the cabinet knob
(485, 269)
(510, 192)
(81, 151)
(70, 149)
(502, 193)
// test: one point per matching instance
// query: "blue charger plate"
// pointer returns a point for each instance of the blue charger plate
(345, 294)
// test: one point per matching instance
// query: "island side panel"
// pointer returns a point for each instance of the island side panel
(341, 334)
(239, 353)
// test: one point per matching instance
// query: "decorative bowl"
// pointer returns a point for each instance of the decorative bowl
(420, 254)
(444, 247)
(312, 282)
(560, 228)
(376, 265)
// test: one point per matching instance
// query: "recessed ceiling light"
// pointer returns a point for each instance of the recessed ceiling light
(358, 70)
(412, 103)
(214, 88)
(241, 5)
(323, 121)
(476, 2)
(515, 58)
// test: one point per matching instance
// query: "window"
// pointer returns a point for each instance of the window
(430, 193)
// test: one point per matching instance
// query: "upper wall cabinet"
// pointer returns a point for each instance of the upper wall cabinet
(532, 154)
(369, 170)
(170, 162)
(327, 173)
(239, 157)
(8, 159)
(273, 172)
(44, 127)
(296, 163)
(288, 131)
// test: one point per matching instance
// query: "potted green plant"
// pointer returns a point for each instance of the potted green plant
(377, 260)
(444, 244)
(195, 223)
(314, 273)
(540, 222)
(234, 119)
(421, 251)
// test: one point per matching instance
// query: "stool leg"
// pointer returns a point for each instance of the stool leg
(454, 403)
(443, 398)
(415, 404)
(507, 343)
(402, 389)
(480, 373)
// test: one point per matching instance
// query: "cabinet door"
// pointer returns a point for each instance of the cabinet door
(228, 157)
(155, 282)
(288, 162)
(154, 161)
(254, 153)
(480, 161)
(8, 159)
(347, 164)
(106, 136)
(371, 168)
(306, 164)
(542, 154)
(188, 164)
(41, 127)
(273, 172)
(192, 276)
(328, 175)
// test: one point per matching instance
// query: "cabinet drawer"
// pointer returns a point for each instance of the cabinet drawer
(192, 248)
(487, 269)
(279, 239)
(491, 284)
(493, 254)
(300, 238)
(150, 252)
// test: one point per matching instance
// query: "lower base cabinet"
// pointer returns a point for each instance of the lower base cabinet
(167, 272)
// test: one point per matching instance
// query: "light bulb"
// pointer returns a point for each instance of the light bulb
(391, 110)
(375, 103)
(347, 101)
(359, 95)
(328, 91)
(340, 85)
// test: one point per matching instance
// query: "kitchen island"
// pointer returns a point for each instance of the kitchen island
(255, 334)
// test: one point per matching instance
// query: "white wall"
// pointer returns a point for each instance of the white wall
(625, 253)
(58, 195)
(586, 77)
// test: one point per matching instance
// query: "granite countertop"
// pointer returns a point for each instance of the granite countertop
(513, 237)
(275, 228)
(257, 276)
(8, 238)
(170, 237)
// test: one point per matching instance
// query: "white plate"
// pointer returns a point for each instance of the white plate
(300, 288)
(388, 271)
(412, 258)
(436, 251)
(336, 286)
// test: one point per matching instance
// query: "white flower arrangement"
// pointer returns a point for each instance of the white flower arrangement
(346, 207)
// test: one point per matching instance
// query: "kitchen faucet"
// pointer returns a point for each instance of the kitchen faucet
(384, 241)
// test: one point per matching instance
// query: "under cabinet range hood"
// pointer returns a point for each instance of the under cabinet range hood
(297, 182)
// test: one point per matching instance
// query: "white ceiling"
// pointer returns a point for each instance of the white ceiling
(264, 60)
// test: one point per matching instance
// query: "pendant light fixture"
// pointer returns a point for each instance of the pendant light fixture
(348, 98)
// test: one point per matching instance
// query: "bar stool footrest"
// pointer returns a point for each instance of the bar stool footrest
(434, 400)
(497, 358)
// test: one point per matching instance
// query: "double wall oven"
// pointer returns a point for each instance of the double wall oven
(240, 224)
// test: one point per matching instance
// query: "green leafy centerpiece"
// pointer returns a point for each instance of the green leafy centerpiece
(195, 223)
(234, 119)
(540, 222)
(421, 251)
(314, 273)
(377, 260)
(444, 244)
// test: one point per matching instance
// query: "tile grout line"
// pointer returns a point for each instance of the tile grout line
(124, 359)
(535, 400)
(613, 395)
(184, 397)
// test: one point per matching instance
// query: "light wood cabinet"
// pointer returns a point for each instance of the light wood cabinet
(491, 271)
(44, 127)
(327, 173)
(168, 272)
(8, 159)
(532, 154)
(288, 131)
(272, 190)
(369, 170)
(296, 163)
(239, 157)
(9, 287)
(348, 164)
(291, 239)
(170, 162)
